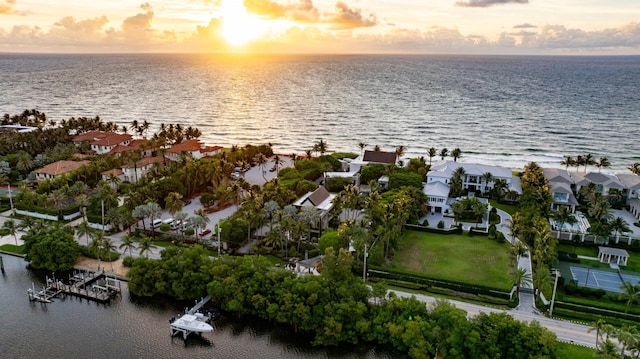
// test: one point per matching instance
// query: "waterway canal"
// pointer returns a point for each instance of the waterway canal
(134, 328)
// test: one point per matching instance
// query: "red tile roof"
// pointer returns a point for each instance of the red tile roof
(90, 136)
(61, 167)
(112, 139)
(188, 146)
(144, 162)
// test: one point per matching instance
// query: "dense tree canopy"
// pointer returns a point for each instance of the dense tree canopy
(51, 247)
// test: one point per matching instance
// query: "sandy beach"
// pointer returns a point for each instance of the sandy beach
(92, 264)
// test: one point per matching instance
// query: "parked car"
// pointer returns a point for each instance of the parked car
(205, 232)
(156, 223)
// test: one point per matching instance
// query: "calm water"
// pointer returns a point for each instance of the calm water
(502, 110)
(128, 328)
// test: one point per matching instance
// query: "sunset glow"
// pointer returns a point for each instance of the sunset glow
(323, 26)
(238, 27)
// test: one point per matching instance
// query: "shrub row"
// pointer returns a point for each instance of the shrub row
(396, 274)
(585, 292)
(415, 227)
(610, 301)
(597, 311)
(589, 318)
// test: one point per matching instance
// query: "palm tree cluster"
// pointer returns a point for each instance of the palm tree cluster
(31, 118)
(585, 160)
(635, 168)
(628, 340)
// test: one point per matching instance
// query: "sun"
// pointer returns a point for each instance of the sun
(239, 27)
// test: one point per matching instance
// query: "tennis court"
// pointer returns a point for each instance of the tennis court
(609, 281)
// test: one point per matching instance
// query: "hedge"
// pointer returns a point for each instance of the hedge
(597, 311)
(589, 318)
(384, 273)
(415, 227)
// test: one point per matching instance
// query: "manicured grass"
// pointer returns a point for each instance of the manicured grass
(571, 351)
(633, 264)
(474, 260)
(505, 207)
(12, 248)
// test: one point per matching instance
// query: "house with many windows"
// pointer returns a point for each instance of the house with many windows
(631, 192)
(473, 178)
(192, 148)
(561, 188)
(135, 171)
(58, 168)
(102, 142)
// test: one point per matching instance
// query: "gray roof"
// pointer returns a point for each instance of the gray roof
(608, 181)
(436, 189)
(629, 180)
(557, 187)
(613, 251)
(557, 175)
(319, 195)
(446, 168)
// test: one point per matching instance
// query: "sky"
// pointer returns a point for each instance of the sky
(564, 27)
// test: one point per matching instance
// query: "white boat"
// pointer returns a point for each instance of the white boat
(190, 323)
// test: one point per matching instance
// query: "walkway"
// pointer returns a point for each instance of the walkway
(527, 298)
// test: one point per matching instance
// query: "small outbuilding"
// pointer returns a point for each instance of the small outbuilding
(613, 255)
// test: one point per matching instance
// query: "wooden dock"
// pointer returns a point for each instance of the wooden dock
(89, 285)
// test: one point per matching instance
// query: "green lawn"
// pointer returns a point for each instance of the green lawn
(473, 260)
(633, 264)
(571, 351)
(12, 248)
(505, 207)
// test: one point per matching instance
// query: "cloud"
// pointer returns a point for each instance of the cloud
(6, 7)
(350, 18)
(487, 3)
(525, 26)
(140, 23)
(303, 11)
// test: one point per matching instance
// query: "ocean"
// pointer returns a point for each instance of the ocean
(502, 110)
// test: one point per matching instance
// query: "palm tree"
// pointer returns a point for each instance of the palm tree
(486, 177)
(57, 199)
(108, 246)
(619, 225)
(277, 162)
(635, 168)
(456, 153)
(197, 222)
(444, 153)
(519, 250)
(588, 161)
(603, 162)
(261, 160)
(631, 294)
(96, 245)
(173, 202)
(145, 245)
(128, 242)
(83, 202)
(10, 228)
(564, 215)
(400, 150)
(432, 153)
(83, 229)
(362, 146)
(599, 327)
(521, 278)
(321, 147)
(568, 162)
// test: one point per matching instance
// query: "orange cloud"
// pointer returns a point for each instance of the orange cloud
(6, 7)
(303, 11)
(350, 18)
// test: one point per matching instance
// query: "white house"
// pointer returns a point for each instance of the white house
(561, 187)
(322, 200)
(438, 193)
(134, 171)
(631, 183)
(193, 148)
(59, 168)
(472, 179)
